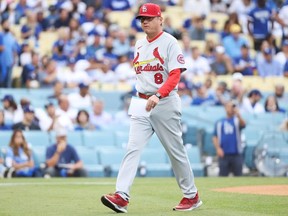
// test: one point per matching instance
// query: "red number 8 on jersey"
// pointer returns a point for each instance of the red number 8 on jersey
(158, 78)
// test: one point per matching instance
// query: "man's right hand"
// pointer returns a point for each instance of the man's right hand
(220, 152)
(61, 146)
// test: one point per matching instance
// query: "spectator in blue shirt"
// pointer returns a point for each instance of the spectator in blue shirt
(20, 10)
(19, 158)
(62, 159)
(202, 97)
(233, 42)
(213, 26)
(136, 25)
(2, 69)
(30, 73)
(286, 69)
(227, 141)
(258, 23)
(245, 64)
(32, 29)
(116, 5)
(7, 55)
(269, 66)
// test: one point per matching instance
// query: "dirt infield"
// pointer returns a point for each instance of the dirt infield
(275, 190)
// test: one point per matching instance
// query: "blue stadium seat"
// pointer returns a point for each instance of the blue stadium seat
(121, 138)
(111, 160)
(91, 161)
(112, 99)
(208, 147)
(195, 160)
(156, 162)
(74, 138)
(99, 138)
(39, 154)
(5, 137)
(37, 138)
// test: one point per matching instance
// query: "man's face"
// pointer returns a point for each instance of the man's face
(230, 108)
(151, 25)
(29, 116)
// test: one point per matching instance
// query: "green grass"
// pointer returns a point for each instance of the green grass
(149, 197)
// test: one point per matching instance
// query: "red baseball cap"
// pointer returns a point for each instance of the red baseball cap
(149, 10)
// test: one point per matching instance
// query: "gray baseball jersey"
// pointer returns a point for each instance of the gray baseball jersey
(153, 62)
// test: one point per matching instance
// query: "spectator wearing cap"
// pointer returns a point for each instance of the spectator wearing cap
(30, 73)
(252, 104)
(63, 19)
(282, 56)
(233, 42)
(185, 93)
(197, 65)
(237, 91)
(269, 66)
(258, 25)
(227, 141)
(82, 99)
(222, 64)
(12, 112)
(47, 118)
(202, 97)
(3, 125)
(62, 159)
(95, 46)
(213, 26)
(64, 42)
(29, 121)
(222, 94)
(244, 63)
(59, 55)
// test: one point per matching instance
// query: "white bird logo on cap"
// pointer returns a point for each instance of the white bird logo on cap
(144, 9)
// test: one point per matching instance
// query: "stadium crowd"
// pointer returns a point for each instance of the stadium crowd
(88, 47)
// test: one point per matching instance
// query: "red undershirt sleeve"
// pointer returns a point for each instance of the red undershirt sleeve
(170, 84)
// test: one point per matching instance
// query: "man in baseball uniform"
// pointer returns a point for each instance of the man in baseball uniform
(158, 63)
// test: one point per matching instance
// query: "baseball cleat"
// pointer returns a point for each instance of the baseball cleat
(187, 204)
(115, 202)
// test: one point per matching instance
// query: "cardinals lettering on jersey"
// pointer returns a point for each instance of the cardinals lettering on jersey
(146, 65)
